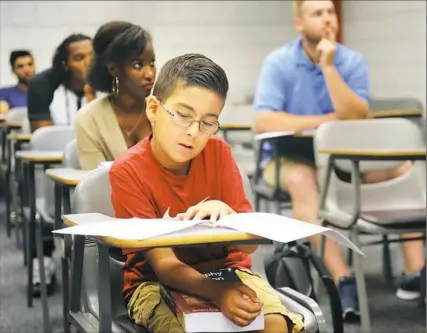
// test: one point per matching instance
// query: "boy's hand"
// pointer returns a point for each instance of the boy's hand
(214, 209)
(238, 302)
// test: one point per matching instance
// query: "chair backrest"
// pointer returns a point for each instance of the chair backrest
(71, 156)
(382, 134)
(49, 138)
(52, 137)
(406, 191)
(19, 114)
(382, 104)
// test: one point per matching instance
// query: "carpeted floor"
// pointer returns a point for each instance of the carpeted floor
(388, 313)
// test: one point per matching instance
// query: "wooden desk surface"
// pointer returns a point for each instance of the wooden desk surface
(280, 134)
(19, 136)
(236, 126)
(217, 236)
(66, 176)
(396, 113)
(375, 153)
(12, 124)
(40, 156)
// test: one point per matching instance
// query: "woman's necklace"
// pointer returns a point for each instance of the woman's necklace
(127, 133)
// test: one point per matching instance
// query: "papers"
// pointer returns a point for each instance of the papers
(272, 135)
(266, 225)
(128, 229)
(106, 165)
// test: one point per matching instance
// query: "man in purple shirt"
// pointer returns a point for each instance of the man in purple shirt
(22, 63)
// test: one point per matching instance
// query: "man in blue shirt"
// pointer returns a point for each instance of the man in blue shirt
(22, 64)
(302, 85)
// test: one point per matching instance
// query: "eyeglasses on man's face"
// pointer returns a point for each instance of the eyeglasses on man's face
(183, 120)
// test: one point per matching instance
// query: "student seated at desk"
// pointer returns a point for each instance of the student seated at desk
(124, 68)
(302, 85)
(176, 168)
(23, 67)
(55, 95)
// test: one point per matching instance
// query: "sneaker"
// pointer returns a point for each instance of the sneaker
(349, 302)
(49, 273)
(409, 287)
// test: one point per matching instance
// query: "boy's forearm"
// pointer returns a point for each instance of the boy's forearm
(188, 280)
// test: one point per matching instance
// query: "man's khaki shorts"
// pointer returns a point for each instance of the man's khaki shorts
(147, 308)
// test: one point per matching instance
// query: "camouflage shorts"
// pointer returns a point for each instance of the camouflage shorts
(147, 308)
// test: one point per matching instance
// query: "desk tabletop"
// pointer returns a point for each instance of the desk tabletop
(235, 126)
(282, 134)
(215, 235)
(396, 113)
(11, 124)
(19, 136)
(375, 152)
(66, 176)
(40, 156)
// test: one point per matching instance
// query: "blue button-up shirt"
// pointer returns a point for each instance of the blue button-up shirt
(290, 82)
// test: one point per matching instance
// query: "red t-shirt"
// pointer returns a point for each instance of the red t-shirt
(141, 187)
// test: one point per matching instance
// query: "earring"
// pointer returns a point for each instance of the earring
(115, 87)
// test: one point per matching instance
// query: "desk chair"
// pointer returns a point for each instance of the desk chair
(50, 138)
(103, 305)
(392, 207)
(71, 156)
(264, 193)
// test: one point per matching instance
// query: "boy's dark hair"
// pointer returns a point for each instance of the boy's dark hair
(115, 42)
(14, 55)
(192, 70)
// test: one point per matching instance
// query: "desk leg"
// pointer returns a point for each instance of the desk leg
(30, 230)
(8, 187)
(60, 192)
(77, 272)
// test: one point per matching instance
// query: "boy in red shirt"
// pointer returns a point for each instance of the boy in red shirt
(180, 165)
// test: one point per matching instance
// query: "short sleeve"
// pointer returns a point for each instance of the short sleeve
(128, 197)
(358, 80)
(40, 96)
(271, 87)
(3, 95)
(233, 189)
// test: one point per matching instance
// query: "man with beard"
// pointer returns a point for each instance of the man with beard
(302, 85)
(56, 94)
(23, 67)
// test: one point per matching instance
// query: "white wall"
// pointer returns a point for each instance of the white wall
(236, 34)
(392, 36)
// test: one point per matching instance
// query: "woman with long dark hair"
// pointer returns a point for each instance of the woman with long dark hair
(124, 68)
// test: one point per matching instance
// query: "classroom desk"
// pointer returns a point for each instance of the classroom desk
(5, 128)
(397, 113)
(104, 259)
(14, 142)
(231, 127)
(65, 179)
(29, 159)
(376, 154)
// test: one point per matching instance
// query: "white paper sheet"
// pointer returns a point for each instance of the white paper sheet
(282, 229)
(270, 226)
(128, 229)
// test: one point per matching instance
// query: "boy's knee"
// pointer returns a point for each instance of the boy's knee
(275, 323)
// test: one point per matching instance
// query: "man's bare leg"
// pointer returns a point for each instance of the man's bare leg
(301, 183)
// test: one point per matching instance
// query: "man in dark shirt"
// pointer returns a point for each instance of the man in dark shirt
(55, 95)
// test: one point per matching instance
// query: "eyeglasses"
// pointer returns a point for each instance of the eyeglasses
(182, 120)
